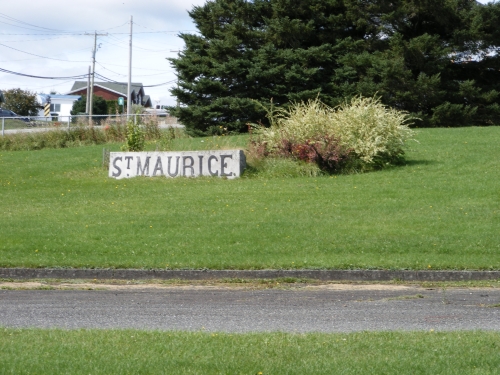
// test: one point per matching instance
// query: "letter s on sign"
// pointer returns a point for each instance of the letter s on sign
(117, 174)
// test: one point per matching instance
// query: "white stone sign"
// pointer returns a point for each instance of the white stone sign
(221, 163)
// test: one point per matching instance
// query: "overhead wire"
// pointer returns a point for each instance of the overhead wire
(43, 57)
(100, 76)
(112, 71)
(81, 76)
(3, 15)
(12, 19)
(51, 34)
(36, 40)
(43, 77)
(26, 28)
(135, 68)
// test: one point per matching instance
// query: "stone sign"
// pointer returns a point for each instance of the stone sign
(221, 163)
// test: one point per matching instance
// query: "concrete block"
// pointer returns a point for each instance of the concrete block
(220, 163)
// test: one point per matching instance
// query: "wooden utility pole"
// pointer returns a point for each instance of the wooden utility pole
(129, 86)
(178, 103)
(88, 93)
(90, 112)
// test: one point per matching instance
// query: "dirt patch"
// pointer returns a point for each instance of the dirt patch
(33, 285)
(361, 287)
(82, 284)
(98, 286)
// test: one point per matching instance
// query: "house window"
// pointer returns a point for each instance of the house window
(55, 108)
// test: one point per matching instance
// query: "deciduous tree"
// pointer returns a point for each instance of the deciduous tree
(22, 102)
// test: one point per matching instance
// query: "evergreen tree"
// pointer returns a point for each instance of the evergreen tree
(433, 58)
(99, 106)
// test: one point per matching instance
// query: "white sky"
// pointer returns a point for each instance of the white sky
(55, 31)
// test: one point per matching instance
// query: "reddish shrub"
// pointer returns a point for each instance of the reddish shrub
(325, 151)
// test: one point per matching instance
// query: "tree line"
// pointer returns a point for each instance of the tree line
(436, 59)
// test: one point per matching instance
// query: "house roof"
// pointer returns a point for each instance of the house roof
(55, 97)
(147, 101)
(117, 87)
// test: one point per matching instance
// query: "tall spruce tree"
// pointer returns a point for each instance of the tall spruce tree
(433, 58)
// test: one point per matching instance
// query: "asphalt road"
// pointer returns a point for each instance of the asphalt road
(298, 310)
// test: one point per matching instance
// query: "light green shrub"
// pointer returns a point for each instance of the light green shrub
(300, 122)
(372, 129)
(371, 132)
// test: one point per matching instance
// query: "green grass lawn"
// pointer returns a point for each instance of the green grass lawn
(35, 351)
(14, 124)
(440, 211)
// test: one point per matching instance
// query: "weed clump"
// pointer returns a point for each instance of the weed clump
(135, 137)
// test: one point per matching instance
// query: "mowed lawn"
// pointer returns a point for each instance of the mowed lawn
(35, 351)
(58, 208)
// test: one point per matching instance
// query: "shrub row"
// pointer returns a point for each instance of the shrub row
(80, 135)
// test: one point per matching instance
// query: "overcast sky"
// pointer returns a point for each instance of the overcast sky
(47, 38)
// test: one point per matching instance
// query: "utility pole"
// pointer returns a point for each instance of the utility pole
(178, 103)
(90, 112)
(129, 86)
(88, 93)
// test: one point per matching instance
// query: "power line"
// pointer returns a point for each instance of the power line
(76, 33)
(36, 40)
(122, 83)
(3, 15)
(118, 40)
(45, 34)
(161, 84)
(158, 32)
(124, 66)
(112, 71)
(26, 28)
(42, 77)
(138, 48)
(81, 76)
(43, 57)
(136, 75)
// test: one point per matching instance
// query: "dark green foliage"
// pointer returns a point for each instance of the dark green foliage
(22, 102)
(99, 106)
(434, 59)
(135, 137)
(114, 108)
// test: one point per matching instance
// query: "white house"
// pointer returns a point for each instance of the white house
(60, 105)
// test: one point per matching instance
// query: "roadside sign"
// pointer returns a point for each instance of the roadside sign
(46, 107)
(121, 101)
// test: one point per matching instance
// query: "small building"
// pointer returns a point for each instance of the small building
(113, 91)
(60, 105)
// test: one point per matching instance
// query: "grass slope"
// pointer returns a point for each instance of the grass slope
(36, 351)
(441, 211)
